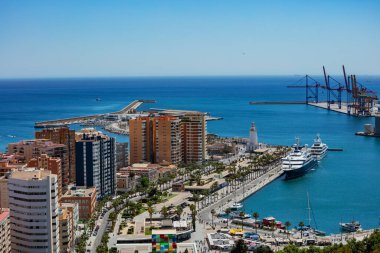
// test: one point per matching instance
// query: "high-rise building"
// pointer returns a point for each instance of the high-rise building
(66, 230)
(62, 135)
(121, 155)
(49, 163)
(29, 149)
(141, 140)
(34, 213)
(96, 161)
(167, 139)
(194, 132)
(155, 139)
(5, 236)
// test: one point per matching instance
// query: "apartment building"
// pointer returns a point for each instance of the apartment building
(49, 163)
(194, 137)
(122, 155)
(85, 198)
(96, 161)
(155, 139)
(62, 135)
(33, 204)
(29, 149)
(66, 230)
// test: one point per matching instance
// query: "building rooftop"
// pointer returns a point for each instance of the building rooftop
(80, 192)
(31, 174)
(89, 134)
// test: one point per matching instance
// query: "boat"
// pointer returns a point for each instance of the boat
(298, 162)
(350, 226)
(311, 213)
(98, 99)
(319, 149)
(235, 206)
(236, 215)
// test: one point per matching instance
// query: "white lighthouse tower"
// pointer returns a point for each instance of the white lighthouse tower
(253, 141)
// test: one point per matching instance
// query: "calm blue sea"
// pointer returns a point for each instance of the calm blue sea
(345, 186)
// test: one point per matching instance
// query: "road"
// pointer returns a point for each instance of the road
(94, 241)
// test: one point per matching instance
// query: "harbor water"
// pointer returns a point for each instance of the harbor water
(345, 186)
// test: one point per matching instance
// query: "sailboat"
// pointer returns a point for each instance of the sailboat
(310, 212)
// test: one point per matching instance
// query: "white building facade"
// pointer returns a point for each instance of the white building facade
(34, 214)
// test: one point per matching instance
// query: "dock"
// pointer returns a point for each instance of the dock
(324, 105)
(130, 108)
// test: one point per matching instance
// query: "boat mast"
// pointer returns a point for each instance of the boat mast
(308, 208)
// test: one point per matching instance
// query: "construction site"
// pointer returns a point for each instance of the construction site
(350, 96)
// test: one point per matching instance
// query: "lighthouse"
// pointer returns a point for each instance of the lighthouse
(253, 141)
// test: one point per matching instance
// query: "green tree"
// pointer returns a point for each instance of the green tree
(301, 224)
(241, 215)
(287, 225)
(228, 211)
(144, 181)
(240, 247)
(213, 212)
(256, 216)
(193, 210)
(164, 212)
(150, 211)
(179, 211)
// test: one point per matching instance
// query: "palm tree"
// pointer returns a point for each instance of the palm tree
(196, 199)
(150, 211)
(287, 225)
(193, 210)
(179, 211)
(241, 215)
(301, 224)
(256, 216)
(164, 211)
(228, 211)
(213, 212)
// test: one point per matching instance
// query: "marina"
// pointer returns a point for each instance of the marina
(337, 170)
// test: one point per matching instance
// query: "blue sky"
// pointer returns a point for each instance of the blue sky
(74, 38)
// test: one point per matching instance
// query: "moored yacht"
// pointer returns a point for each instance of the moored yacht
(298, 162)
(319, 149)
(351, 226)
(235, 206)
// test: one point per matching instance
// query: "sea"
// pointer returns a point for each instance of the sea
(344, 187)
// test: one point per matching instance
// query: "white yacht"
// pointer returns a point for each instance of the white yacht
(235, 206)
(298, 162)
(319, 149)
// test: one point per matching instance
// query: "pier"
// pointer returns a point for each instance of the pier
(342, 108)
(360, 101)
(132, 107)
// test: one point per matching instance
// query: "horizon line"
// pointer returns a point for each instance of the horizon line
(169, 76)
